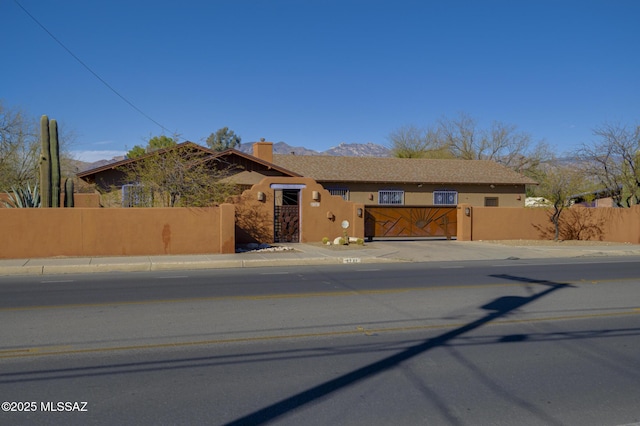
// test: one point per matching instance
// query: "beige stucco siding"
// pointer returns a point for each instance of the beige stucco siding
(508, 195)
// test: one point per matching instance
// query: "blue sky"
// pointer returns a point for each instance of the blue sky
(319, 73)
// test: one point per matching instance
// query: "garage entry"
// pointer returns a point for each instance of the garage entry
(410, 221)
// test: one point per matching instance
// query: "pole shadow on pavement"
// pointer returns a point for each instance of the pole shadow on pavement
(497, 308)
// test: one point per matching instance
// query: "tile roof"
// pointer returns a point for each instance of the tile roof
(399, 170)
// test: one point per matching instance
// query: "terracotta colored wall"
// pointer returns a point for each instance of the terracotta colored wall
(30, 233)
(318, 218)
(83, 199)
(601, 224)
(463, 232)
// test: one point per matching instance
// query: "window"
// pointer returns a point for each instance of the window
(391, 196)
(136, 196)
(491, 201)
(340, 192)
(290, 197)
(445, 198)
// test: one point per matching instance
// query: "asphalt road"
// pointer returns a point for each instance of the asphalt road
(553, 343)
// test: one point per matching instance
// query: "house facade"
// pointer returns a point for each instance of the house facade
(372, 181)
(409, 197)
(376, 181)
(240, 169)
(289, 198)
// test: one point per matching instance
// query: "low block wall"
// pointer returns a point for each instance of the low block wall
(28, 233)
(576, 223)
(83, 199)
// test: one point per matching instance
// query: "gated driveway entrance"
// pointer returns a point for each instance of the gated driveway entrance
(408, 221)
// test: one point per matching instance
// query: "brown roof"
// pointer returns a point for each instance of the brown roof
(399, 170)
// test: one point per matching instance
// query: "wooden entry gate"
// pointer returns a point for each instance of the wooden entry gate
(408, 221)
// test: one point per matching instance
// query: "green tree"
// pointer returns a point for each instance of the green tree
(181, 177)
(223, 139)
(136, 151)
(154, 143)
(160, 142)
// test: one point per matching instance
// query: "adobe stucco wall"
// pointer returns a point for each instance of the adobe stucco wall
(318, 218)
(576, 223)
(28, 233)
(83, 199)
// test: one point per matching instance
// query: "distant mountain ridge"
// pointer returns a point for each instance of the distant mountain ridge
(343, 150)
(81, 166)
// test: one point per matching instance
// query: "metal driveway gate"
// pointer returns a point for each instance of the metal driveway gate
(407, 221)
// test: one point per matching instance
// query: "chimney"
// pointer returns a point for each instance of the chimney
(263, 150)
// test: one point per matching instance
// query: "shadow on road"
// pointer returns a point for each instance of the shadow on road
(497, 308)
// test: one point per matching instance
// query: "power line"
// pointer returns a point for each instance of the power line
(90, 70)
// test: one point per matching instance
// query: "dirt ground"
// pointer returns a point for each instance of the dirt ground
(551, 242)
(527, 243)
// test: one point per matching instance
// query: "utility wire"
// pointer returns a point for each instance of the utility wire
(90, 70)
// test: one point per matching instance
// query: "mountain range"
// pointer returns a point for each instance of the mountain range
(342, 150)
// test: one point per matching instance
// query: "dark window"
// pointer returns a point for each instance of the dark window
(290, 197)
(491, 201)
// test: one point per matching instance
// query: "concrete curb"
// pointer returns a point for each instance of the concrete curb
(172, 266)
(155, 265)
(22, 270)
(308, 255)
(95, 268)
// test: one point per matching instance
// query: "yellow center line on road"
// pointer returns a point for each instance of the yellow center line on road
(259, 297)
(68, 350)
(8, 353)
(303, 295)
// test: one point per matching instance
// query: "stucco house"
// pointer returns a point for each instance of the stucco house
(366, 180)
(408, 197)
(302, 198)
(414, 182)
(242, 169)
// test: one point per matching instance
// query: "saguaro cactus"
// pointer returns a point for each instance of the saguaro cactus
(54, 151)
(49, 163)
(45, 163)
(68, 193)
